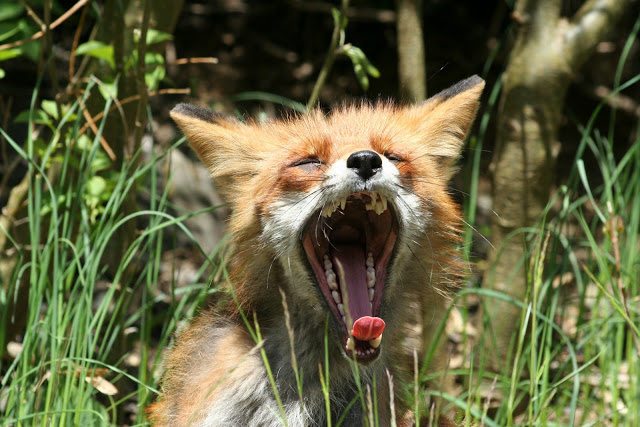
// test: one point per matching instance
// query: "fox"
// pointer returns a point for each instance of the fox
(342, 227)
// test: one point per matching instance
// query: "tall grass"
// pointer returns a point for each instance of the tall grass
(577, 357)
(82, 320)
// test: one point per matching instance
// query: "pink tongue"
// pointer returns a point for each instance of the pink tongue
(367, 328)
(351, 260)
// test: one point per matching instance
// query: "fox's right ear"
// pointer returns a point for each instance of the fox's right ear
(219, 141)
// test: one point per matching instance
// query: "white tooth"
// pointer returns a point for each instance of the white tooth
(371, 273)
(369, 206)
(331, 281)
(328, 265)
(371, 305)
(379, 209)
(374, 197)
(369, 260)
(371, 282)
(336, 297)
(384, 201)
(371, 294)
(344, 319)
(341, 309)
(343, 203)
(351, 344)
(375, 343)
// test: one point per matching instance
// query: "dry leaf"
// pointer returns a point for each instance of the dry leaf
(103, 386)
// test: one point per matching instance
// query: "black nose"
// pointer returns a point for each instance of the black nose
(366, 163)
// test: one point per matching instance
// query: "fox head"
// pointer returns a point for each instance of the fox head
(347, 213)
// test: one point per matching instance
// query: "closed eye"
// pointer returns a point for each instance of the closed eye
(309, 164)
(394, 159)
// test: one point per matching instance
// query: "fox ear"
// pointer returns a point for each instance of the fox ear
(219, 141)
(446, 118)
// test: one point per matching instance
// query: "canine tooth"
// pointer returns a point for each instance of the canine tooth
(374, 197)
(379, 209)
(351, 344)
(341, 309)
(371, 294)
(369, 260)
(384, 202)
(343, 203)
(375, 343)
(336, 297)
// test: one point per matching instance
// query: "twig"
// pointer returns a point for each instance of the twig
(183, 61)
(94, 128)
(74, 45)
(41, 33)
(331, 56)
(135, 98)
(33, 15)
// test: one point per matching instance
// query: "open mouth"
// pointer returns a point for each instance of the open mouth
(349, 245)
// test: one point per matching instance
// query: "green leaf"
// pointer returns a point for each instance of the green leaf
(108, 89)
(361, 65)
(8, 30)
(83, 143)
(39, 117)
(96, 185)
(10, 10)
(155, 36)
(50, 107)
(155, 70)
(9, 54)
(99, 50)
(2, 73)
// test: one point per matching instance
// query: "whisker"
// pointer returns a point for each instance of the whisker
(458, 217)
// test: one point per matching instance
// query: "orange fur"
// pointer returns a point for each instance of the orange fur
(259, 167)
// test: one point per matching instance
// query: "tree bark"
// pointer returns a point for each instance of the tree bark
(547, 51)
(411, 68)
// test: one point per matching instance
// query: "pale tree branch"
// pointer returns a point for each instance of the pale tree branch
(589, 26)
(538, 15)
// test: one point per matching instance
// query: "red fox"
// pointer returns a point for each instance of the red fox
(345, 217)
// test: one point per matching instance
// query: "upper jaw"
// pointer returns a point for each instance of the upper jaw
(349, 244)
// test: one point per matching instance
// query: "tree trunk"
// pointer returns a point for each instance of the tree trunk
(547, 51)
(411, 68)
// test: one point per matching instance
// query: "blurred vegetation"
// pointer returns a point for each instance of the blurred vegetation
(98, 268)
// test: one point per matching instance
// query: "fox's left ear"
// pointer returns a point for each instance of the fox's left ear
(446, 118)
